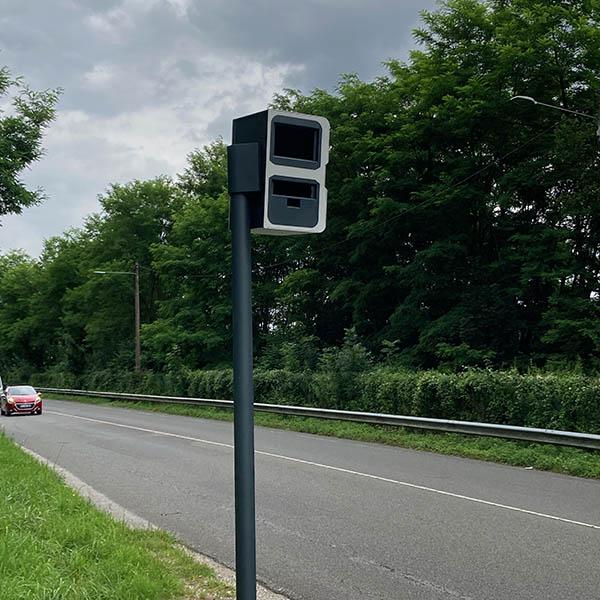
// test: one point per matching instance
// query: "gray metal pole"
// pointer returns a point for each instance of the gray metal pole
(245, 528)
(598, 128)
(138, 350)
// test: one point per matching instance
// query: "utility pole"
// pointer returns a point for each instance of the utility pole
(138, 344)
(598, 129)
(136, 304)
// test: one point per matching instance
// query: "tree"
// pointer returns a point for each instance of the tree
(193, 327)
(134, 217)
(21, 130)
(19, 276)
(463, 228)
(459, 220)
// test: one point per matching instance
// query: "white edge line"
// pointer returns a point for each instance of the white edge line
(98, 499)
(342, 470)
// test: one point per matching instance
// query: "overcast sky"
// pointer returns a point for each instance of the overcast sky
(147, 81)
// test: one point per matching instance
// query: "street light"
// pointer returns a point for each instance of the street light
(136, 298)
(562, 109)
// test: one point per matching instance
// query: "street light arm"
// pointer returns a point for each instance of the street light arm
(528, 98)
(567, 110)
(114, 272)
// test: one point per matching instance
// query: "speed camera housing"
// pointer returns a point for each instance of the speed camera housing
(278, 160)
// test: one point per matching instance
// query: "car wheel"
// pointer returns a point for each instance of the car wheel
(1, 411)
(39, 412)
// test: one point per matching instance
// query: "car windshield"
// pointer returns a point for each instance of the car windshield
(21, 390)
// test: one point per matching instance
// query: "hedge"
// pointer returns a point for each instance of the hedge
(557, 401)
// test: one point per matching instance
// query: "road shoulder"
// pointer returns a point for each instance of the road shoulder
(134, 521)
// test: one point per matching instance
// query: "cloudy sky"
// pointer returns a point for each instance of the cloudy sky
(147, 81)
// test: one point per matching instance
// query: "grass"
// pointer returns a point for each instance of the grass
(559, 459)
(54, 545)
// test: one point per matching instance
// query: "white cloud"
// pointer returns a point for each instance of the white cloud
(99, 76)
(117, 21)
(178, 111)
(181, 7)
(146, 81)
(87, 151)
(110, 24)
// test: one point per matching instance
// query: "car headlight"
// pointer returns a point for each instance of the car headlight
(11, 401)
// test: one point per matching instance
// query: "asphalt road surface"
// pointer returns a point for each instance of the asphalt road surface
(337, 519)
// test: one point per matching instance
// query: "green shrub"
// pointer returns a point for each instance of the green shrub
(335, 385)
(211, 384)
(283, 387)
(387, 391)
(552, 400)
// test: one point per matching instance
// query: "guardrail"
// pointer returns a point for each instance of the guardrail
(527, 434)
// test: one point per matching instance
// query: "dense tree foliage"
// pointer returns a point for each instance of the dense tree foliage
(22, 124)
(463, 227)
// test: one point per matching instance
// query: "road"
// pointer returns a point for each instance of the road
(337, 519)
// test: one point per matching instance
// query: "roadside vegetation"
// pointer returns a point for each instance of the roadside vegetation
(346, 378)
(458, 276)
(54, 544)
(463, 228)
(560, 459)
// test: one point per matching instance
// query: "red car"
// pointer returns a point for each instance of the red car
(20, 400)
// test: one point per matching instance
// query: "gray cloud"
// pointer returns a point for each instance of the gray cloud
(146, 81)
(328, 36)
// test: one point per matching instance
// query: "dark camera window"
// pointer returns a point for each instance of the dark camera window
(296, 142)
(295, 189)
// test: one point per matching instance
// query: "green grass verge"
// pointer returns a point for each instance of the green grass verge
(54, 545)
(546, 457)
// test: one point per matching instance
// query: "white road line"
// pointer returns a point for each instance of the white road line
(339, 470)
